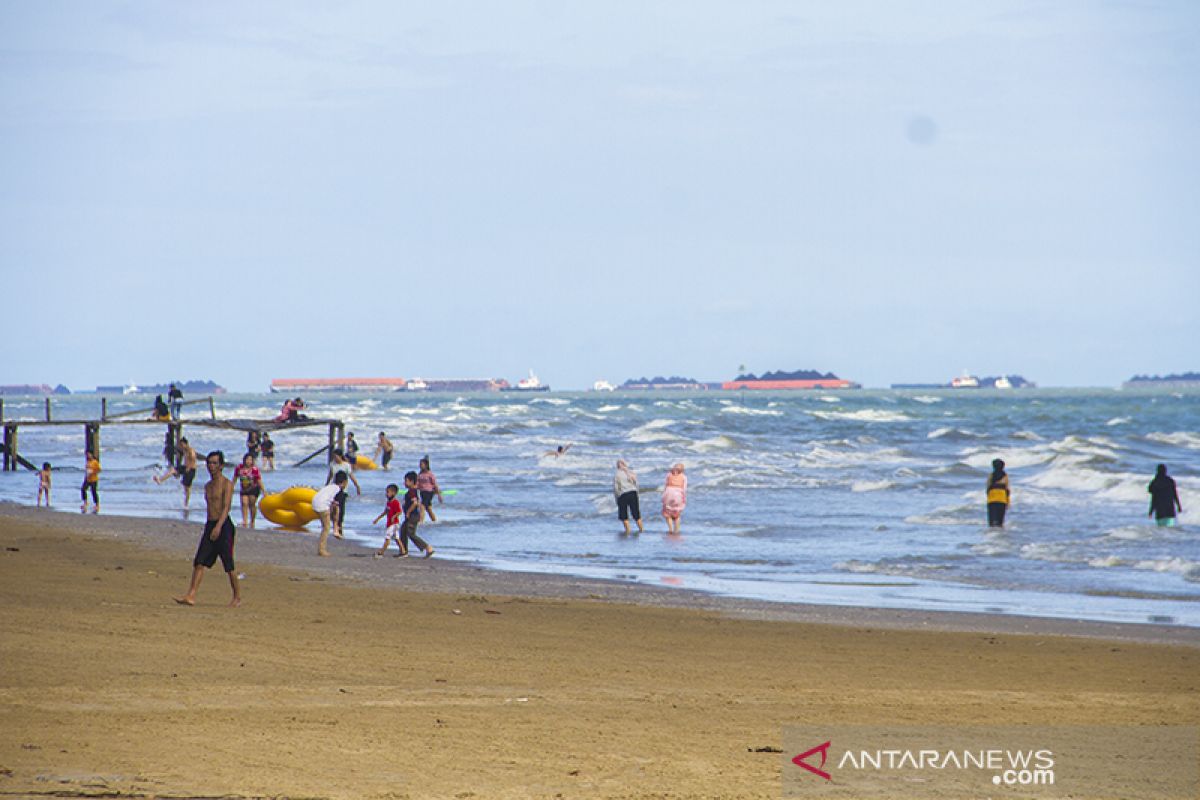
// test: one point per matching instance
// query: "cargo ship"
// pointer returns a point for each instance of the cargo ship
(530, 384)
(800, 379)
(673, 383)
(1185, 380)
(309, 385)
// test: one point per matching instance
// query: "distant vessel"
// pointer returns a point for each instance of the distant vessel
(965, 381)
(131, 389)
(800, 379)
(1002, 383)
(1183, 380)
(416, 385)
(530, 384)
(603, 386)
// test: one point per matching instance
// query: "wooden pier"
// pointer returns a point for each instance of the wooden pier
(13, 460)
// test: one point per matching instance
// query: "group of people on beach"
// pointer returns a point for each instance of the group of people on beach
(1164, 497)
(674, 497)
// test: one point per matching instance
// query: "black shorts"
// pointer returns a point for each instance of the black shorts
(255, 492)
(187, 476)
(269, 452)
(628, 504)
(427, 499)
(387, 456)
(209, 551)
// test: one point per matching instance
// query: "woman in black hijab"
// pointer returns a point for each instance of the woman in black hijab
(1164, 498)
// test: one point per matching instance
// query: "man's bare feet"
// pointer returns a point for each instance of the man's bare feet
(323, 553)
(235, 602)
(338, 535)
(429, 552)
(185, 601)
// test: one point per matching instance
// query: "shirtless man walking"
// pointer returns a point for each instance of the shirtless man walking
(217, 540)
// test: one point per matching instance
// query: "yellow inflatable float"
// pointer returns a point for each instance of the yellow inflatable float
(362, 462)
(291, 508)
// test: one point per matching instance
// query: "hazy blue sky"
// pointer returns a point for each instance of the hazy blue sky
(894, 191)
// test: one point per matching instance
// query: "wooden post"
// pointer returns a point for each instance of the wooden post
(14, 449)
(7, 447)
(332, 440)
(212, 411)
(47, 409)
(1, 408)
(341, 437)
(103, 408)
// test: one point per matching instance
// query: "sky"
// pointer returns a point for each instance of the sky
(892, 191)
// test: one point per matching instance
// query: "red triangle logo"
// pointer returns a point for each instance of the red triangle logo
(823, 750)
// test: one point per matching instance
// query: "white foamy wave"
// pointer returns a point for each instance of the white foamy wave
(653, 431)
(1118, 421)
(954, 433)
(1103, 562)
(863, 415)
(759, 412)
(927, 399)
(871, 486)
(553, 401)
(721, 442)
(1179, 439)
(606, 409)
(829, 399)
(1189, 570)
(1115, 486)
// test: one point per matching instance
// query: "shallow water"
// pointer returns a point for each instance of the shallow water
(867, 498)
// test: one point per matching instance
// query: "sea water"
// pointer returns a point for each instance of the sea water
(855, 498)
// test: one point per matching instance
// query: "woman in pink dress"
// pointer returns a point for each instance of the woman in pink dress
(674, 498)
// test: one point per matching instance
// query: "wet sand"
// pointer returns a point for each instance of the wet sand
(356, 677)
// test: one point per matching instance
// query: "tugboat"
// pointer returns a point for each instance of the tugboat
(1003, 383)
(965, 381)
(530, 384)
(416, 385)
(603, 386)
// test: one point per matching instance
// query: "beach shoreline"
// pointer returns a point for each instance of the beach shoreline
(356, 677)
(353, 564)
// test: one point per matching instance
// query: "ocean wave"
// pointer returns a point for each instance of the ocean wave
(872, 486)
(721, 442)
(1186, 439)
(553, 401)
(953, 434)
(1118, 421)
(863, 415)
(757, 412)
(1188, 570)
(926, 399)
(607, 409)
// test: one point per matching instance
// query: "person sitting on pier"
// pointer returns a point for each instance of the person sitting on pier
(291, 411)
(161, 412)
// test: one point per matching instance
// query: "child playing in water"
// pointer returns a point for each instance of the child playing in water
(91, 479)
(394, 513)
(44, 484)
(427, 485)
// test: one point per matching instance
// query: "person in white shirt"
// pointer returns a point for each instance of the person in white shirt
(322, 503)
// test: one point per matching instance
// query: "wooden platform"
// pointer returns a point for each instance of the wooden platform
(13, 460)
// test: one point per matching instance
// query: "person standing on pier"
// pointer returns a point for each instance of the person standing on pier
(217, 539)
(175, 398)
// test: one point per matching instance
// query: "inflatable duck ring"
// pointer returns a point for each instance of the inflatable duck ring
(291, 508)
(362, 462)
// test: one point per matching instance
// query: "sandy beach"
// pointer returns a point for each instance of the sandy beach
(355, 677)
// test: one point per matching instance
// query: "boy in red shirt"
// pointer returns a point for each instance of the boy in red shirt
(395, 515)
